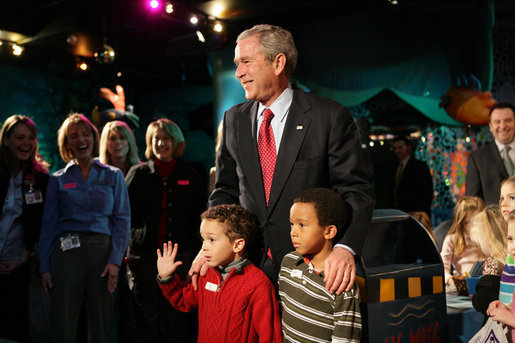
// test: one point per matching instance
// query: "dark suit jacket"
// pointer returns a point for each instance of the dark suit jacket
(319, 148)
(186, 199)
(485, 172)
(415, 191)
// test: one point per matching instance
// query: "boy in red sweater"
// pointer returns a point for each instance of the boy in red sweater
(236, 301)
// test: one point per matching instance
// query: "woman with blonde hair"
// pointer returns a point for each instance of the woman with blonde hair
(23, 183)
(118, 146)
(84, 235)
(458, 250)
(167, 198)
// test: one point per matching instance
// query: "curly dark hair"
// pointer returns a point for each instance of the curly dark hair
(238, 221)
(329, 206)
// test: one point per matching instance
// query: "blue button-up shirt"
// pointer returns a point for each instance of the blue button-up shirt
(11, 230)
(99, 204)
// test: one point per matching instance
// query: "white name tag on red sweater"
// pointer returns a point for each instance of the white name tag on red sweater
(211, 287)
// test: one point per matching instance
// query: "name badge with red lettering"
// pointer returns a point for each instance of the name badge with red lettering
(183, 182)
(70, 185)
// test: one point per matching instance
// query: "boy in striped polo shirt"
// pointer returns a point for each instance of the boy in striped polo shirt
(309, 312)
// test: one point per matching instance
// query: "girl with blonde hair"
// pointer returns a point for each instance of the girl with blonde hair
(489, 232)
(458, 250)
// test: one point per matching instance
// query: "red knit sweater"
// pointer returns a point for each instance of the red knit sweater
(244, 309)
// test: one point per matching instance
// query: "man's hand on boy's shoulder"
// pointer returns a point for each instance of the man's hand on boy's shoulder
(200, 267)
(339, 271)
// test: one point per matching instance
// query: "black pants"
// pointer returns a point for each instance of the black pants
(14, 305)
(76, 280)
(155, 318)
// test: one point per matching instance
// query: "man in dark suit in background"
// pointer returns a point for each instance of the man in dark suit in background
(413, 184)
(314, 143)
(490, 165)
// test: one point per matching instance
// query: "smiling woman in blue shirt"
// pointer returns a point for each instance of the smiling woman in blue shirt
(84, 235)
(23, 181)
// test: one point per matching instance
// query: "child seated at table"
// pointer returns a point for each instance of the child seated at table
(489, 232)
(458, 250)
(236, 301)
(498, 310)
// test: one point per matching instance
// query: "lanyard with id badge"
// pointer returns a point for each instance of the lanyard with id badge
(32, 196)
(70, 241)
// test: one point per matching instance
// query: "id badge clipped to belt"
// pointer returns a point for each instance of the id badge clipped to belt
(70, 241)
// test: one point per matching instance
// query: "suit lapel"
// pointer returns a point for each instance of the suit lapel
(295, 130)
(247, 143)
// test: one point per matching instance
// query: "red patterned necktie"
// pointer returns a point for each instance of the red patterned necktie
(267, 152)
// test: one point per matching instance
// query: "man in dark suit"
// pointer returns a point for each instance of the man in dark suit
(316, 145)
(490, 165)
(413, 185)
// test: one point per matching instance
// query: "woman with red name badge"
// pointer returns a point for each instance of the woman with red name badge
(167, 198)
(84, 235)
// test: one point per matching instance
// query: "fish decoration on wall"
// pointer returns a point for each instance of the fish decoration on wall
(466, 103)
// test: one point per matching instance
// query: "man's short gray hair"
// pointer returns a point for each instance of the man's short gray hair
(274, 40)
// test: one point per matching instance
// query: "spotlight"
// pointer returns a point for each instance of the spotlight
(200, 37)
(119, 74)
(194, 20)
(83, 66)
(153, 4)
(169, 8)
(218, 27)
(17, 50)
(217, 10)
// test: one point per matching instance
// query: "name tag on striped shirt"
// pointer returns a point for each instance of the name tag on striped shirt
(296, 273)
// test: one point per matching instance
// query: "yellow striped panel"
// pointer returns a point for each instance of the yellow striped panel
(414, 288)
(387, 290)
(437, 284)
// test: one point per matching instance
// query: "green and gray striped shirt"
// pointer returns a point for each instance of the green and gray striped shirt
(309, 312)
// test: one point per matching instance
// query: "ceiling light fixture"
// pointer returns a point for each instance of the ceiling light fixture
(218, 27)
(169, 8)
(194, 20)
(17, 50)
(217, 10)
(200, 37)
(153, 4)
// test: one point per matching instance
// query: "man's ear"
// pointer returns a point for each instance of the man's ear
(330, 231)
(279, 63)
(238, 245)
